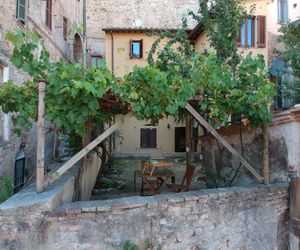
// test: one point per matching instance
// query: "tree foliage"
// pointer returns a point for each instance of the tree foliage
(160, 89)
(222, 21)
(72, 93)
(290, 53)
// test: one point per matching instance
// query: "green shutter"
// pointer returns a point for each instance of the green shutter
(21, 10)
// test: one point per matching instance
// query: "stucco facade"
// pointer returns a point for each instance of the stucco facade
(273, 23)
(59, 47)
(131, 13)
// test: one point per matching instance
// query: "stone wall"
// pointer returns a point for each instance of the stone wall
(123, 13)
(231, 218)
(284, 148)
(58, 47)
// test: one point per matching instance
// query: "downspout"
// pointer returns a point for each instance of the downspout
(112, 53)
(84, 35)
(112, 138)
(6, 117)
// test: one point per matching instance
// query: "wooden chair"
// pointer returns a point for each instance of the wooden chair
(186, 182)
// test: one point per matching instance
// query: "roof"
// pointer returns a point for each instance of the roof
(141, 29)
(193, 35)
(297, 22)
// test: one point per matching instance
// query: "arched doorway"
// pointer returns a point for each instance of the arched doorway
(77, 49)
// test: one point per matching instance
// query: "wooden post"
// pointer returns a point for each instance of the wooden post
(266, 171)
(188, 147)
(40, 164)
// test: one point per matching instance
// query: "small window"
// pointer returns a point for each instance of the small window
(65, 28)
(148, 137)
(282, 11)
(246, 38)
(136, 49)
(96, 61)
(21, 6)
(49, 14)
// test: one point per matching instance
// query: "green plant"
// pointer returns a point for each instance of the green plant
(290, 38)
(222, 21)
(129, 245)
(106, 183)
(6, 187)
(148, 245)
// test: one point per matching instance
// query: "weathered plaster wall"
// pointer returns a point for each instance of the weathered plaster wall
(233, 218)
(123, 13)
(284, 149)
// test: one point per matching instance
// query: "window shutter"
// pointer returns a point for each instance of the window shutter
(130, 48)
(141, 48)
(65, 28)
(152, 138)
(21, 10)
(238, 40)
(261, 31)
(144, 138)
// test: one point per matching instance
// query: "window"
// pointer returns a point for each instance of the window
(246, 38)
(21, 10)
(97, 61)
(148, 137)
(136, 49)
(282, 11)
(65, 28)
(49, 14)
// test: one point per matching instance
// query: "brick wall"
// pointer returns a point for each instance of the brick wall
(231, 218)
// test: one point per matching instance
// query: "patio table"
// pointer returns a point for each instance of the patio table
(155, 174)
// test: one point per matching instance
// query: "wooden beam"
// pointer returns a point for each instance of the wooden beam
(187, 138)
(77, 157)
(266, 171)
(210, 129)
(40, 163)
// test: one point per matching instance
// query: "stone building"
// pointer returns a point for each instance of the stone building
(54, 22)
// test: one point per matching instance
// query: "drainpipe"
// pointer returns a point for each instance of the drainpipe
(112, 53)
(6, 117)
(84, 35)
(112, 138)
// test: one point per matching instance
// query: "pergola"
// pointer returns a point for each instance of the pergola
(41, 183)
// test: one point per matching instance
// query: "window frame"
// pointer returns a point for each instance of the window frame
(148, 143)
(98, 58)
(49, 14)
(140, 42)
(246, 45)
(280, 17)
(18, 17)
